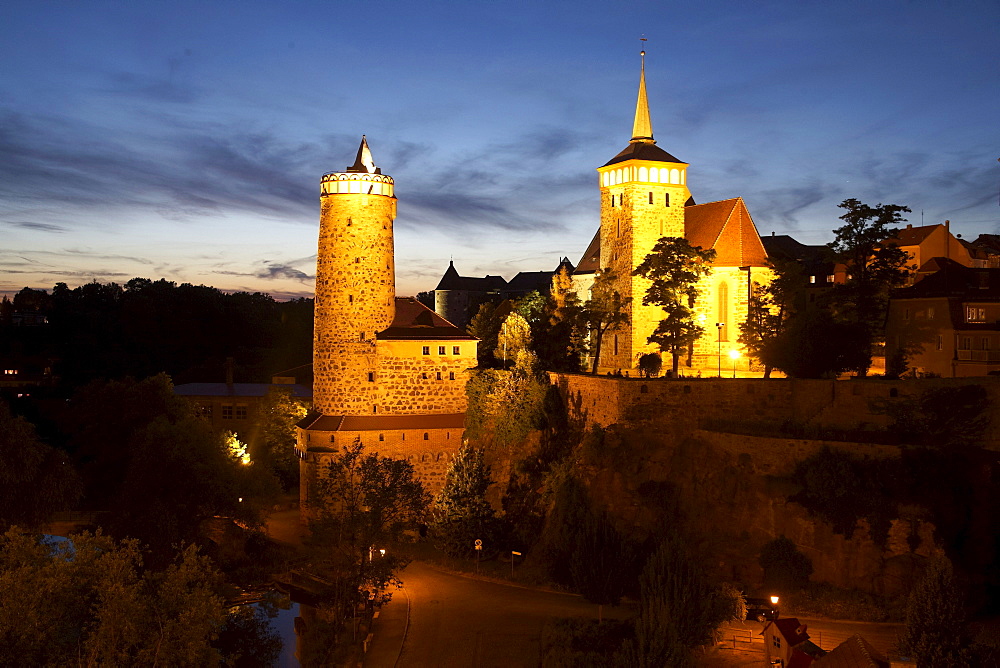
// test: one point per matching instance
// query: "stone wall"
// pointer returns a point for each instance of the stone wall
(414, 383)
(682, 405)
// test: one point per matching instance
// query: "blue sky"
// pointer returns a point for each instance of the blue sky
(185, 140)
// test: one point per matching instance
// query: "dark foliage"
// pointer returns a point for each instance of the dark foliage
(785, 568)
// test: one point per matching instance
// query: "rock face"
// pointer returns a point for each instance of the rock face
(734, 490)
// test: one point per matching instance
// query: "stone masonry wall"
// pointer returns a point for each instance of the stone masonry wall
(414, 383)
(355, 292)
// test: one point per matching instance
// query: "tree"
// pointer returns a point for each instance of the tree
(426, 298)
(367, 501)
(650, 364)
(92, 602)
(785, 568)
(875, 265)
(485, 326)
(674, 269)
(513, 338)
(461, 514)
(273, 444)
(769, 311)
(816, 345)
(35, 480)
(935, 633)
(606, 309)
(601, 561)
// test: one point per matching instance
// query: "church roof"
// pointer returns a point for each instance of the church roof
(726, 227)
(526, 281)
(452, 281)
(591, 260)
(414, 321)
(643, 151)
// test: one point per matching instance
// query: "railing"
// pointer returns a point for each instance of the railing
(979, 355)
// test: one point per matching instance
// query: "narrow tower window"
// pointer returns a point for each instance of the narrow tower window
(723, 311)
(381, 437)
(616, 344)
(371, 376)
(451, 375)
(438, 375)
(350, 299)
(666, 199)
(441, 350)
(650, 197)
(427, 436)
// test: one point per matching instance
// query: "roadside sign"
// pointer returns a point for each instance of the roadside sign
(515, 554)
(479, 544)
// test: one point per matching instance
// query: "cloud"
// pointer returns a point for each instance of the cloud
(41, 227)
(276, 271)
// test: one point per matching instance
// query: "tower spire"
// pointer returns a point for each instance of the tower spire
(364, 161)
(642, 129)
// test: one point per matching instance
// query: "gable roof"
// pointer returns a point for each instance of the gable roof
(793, 631)
(526, 281)
(641, 150)
(913, 236)
(414, 321)
(591, 260)
(726, 227)
(855, 652)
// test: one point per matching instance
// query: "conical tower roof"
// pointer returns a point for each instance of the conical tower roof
(364, 161)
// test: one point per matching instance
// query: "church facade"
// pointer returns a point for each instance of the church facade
(388, 371)
(644, 196)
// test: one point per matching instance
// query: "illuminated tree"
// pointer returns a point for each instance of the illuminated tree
(674, 269)
(513, 338)
(461, 514)
(606, 309)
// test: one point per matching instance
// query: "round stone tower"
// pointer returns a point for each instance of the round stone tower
(355, 285)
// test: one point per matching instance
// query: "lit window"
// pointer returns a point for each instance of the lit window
(427, 350)
(455, 350)
(812, 279)
(10, 372)
(829, 278)
(930, 312)
(241, 412)
(975, 314)
(227, 411)
(441, 350)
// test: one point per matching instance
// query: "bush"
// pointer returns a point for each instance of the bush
(785, 568)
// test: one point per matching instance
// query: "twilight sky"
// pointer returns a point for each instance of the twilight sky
(185, 140)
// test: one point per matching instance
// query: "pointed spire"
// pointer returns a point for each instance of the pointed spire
(642, 129)
(364, 162)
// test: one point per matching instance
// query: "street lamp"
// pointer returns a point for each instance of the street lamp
(719, 326)
(734, 355)
(774, 603)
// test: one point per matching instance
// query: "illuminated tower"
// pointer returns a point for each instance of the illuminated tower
(355, 285)
(643, 195)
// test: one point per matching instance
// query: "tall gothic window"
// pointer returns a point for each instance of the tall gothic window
(724, 311)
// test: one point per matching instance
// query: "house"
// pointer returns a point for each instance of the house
(855, 652)
(925, 242)
(948, 324)
(787, 644)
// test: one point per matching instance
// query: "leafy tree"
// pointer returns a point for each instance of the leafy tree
(569, 514)
(606, 309)
(504, 406)
(785, 568)
(513, 338)
(874, 265)
(426, 298)
(815, 345)
(485, 326)
(367, 501)
(35, 479)
(650, 364)
(92, 602)
(602, 561)
(272, 445)
(935, 633)
(769, 311)
(461, 514)
(674, 269)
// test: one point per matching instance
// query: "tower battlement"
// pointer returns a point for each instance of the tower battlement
(356, 183)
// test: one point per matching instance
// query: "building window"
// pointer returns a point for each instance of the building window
(333, 438)
(427, 350)
(350, 299)
(227, 411)
(371, 376)
(427, 436)
(441, 350)
(984, 343)
(666, 199)
(381, 437)
(451, 375)
(241, 412)
(930, 312)
(829, 278)
(423, 375)
(940, 342)
(966, 344)
(650, 198)
(447, 435)
(812, 279)
(616, 344)
(375, 409)
(723, 311)
(455, 350)
(10, 372)
(403, 436)
(205, 411)
(438, 375)
(975, 314)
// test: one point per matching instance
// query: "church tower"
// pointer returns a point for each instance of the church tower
(643, 195)
(355, 285)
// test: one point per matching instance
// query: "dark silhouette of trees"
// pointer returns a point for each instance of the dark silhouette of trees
(604, 310)
(785, 568)
(936, 633)
(461, 514)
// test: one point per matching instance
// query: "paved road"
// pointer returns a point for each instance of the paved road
(460, 621)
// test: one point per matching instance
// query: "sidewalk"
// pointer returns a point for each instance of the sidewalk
(389, 632)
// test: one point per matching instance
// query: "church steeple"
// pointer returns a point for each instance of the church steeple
(364, 162)
(642, 129)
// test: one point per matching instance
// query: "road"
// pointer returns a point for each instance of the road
(461, 621)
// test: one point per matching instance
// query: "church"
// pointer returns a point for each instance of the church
(644, 196)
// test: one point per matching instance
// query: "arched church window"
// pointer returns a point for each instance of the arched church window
(723, 311)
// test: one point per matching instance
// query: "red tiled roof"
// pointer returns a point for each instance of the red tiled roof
(792, 630)
(855, 652)
(727, 227)
(414, 321)
(317, 422)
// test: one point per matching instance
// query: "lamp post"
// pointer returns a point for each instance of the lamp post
(734, 355)
(719, 326)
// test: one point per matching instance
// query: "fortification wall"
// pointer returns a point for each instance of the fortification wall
(681, 405)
